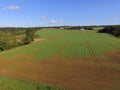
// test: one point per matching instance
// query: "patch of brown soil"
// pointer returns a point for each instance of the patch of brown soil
(112, 61)
(73, 74)
(39, 39)
(114, 56)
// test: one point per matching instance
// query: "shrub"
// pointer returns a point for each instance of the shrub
(115, 30)
(30, 33)
(7, 41)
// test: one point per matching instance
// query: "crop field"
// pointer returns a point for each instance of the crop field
(76, 60)
(15, 84)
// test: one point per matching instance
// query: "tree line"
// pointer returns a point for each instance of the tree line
(8, 37)
(113, 29)
(79, 28)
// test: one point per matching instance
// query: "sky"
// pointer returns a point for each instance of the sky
(32, 13)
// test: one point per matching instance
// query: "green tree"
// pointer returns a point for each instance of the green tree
(7, 41)
(30, 33)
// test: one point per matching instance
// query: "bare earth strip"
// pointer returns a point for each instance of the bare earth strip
(73, 74)
(97, 61)
(39, 39)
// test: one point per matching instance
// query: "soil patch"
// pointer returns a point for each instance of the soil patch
(39, 39)
(72, 74)
(114, 56)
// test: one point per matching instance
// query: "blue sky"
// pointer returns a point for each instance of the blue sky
(25, 13)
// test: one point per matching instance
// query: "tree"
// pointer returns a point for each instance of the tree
(30, 33)
(7, 41)
(115, 30)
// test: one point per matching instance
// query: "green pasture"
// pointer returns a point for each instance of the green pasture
(68, 44)
(63, 43)
(15, 84)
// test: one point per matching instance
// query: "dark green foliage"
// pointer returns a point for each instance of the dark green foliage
(88, 28)
(73, 28)
(8, 37)
(18, 30)
(30, 33)
(115, 30)
(79, 28)
(7, 41)
(76, 28)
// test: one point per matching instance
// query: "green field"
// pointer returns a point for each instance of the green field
(15, 84)
(69, 44)
(61, 45)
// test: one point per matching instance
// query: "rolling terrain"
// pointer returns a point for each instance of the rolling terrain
(76, 60)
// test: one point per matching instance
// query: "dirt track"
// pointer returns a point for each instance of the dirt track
(73, 74)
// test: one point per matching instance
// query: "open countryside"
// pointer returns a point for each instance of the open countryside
(59, 44)
(76, 60)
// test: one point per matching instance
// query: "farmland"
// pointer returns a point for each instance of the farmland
(77, 60)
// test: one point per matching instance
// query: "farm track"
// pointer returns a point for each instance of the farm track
(94, 58)
(96, 61)
(115, 47)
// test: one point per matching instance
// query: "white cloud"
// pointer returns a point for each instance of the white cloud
(53, 22)
(12, 7)
(56, 22)
(43, 18)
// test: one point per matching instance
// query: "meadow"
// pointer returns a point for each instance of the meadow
(69, 44)
(17, 84)
(77, 60)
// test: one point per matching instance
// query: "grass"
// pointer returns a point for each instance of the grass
(69, 44)
(15, 84)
